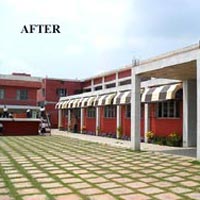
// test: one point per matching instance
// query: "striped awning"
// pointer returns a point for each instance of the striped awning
(84, 102)
(70, 103)
(75, 103)
(101, 100)
(161, 93)
(59, 105)
(109, 99)
(122, 98)
(90, 101)
(64, 105)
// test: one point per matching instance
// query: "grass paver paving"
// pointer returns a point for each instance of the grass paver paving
(58, 167)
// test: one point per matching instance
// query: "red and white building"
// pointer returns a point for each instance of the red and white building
(51, 90)
(105, 106)
(18, 92)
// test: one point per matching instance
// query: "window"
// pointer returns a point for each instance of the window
(98, 87)
(91, 112)
(43, 92)
(128, 111)
(22, 94)
(126, 82)
(2, 93)
(168, 109)
(110, 111)
(61, 92)
(111, 85)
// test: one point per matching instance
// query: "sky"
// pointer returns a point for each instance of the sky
(96, 35)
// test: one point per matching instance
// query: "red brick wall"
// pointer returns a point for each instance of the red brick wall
(11, 94)
(165, 126)
(110, 77)
(125, 73)
(98, 80)
(20, 128)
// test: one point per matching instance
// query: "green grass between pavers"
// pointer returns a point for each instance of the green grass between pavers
(195, 162)
(59, 147)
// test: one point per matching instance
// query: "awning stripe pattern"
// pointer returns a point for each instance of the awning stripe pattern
(125, 98)
(90, 101)
(161, 93)
(109, 99)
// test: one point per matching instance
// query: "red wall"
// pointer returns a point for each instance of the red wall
(126, 123)
(110, 77)
(165, 126)
(51, 97)
(125, 73)
(90, 123)
(20, 127)
(11, 93)
(97, 80)
(107, 125)
(86, 83)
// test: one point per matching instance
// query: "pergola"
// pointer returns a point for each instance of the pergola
(183, 65)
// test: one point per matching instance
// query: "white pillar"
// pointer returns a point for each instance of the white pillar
(135, 112)
(69, 120)
(97, 120)
(103, 83)
(146, 120)
(117, 79)
(198, 109)
(189, 113)
(119, 128)
(82, 120)
(92, 85)
(60, 125)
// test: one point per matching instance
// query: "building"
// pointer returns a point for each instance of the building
(105, 106)
(50, 92)
(18, 93)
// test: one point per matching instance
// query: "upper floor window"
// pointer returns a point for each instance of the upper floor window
(91, 112)
(43, 92)
(110, 111)
(168, 109)
(61, 92)
(2, 93)
(22, 94)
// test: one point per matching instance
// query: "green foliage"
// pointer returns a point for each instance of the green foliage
(174, 139)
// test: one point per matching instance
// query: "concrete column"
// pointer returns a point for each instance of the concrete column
(82, 120)
(117, 79)
(69, 120)
(135, 112)
(60, 123)
(103, 83)
(119, 127)
(146, 120)
(189, 113)
(97, 120)
(198, 109)
(92, 85)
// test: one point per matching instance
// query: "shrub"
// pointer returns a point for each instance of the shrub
(150, 136)
(174, 139)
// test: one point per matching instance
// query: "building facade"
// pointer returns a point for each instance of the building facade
(50, 92)
(18, 93)
(105, 106)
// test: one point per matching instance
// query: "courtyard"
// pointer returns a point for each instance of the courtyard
(65, 168)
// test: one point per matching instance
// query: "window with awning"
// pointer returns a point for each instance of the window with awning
(162, 93)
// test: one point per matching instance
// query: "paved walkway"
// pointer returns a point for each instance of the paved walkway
(190, 152)
(65, 168)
